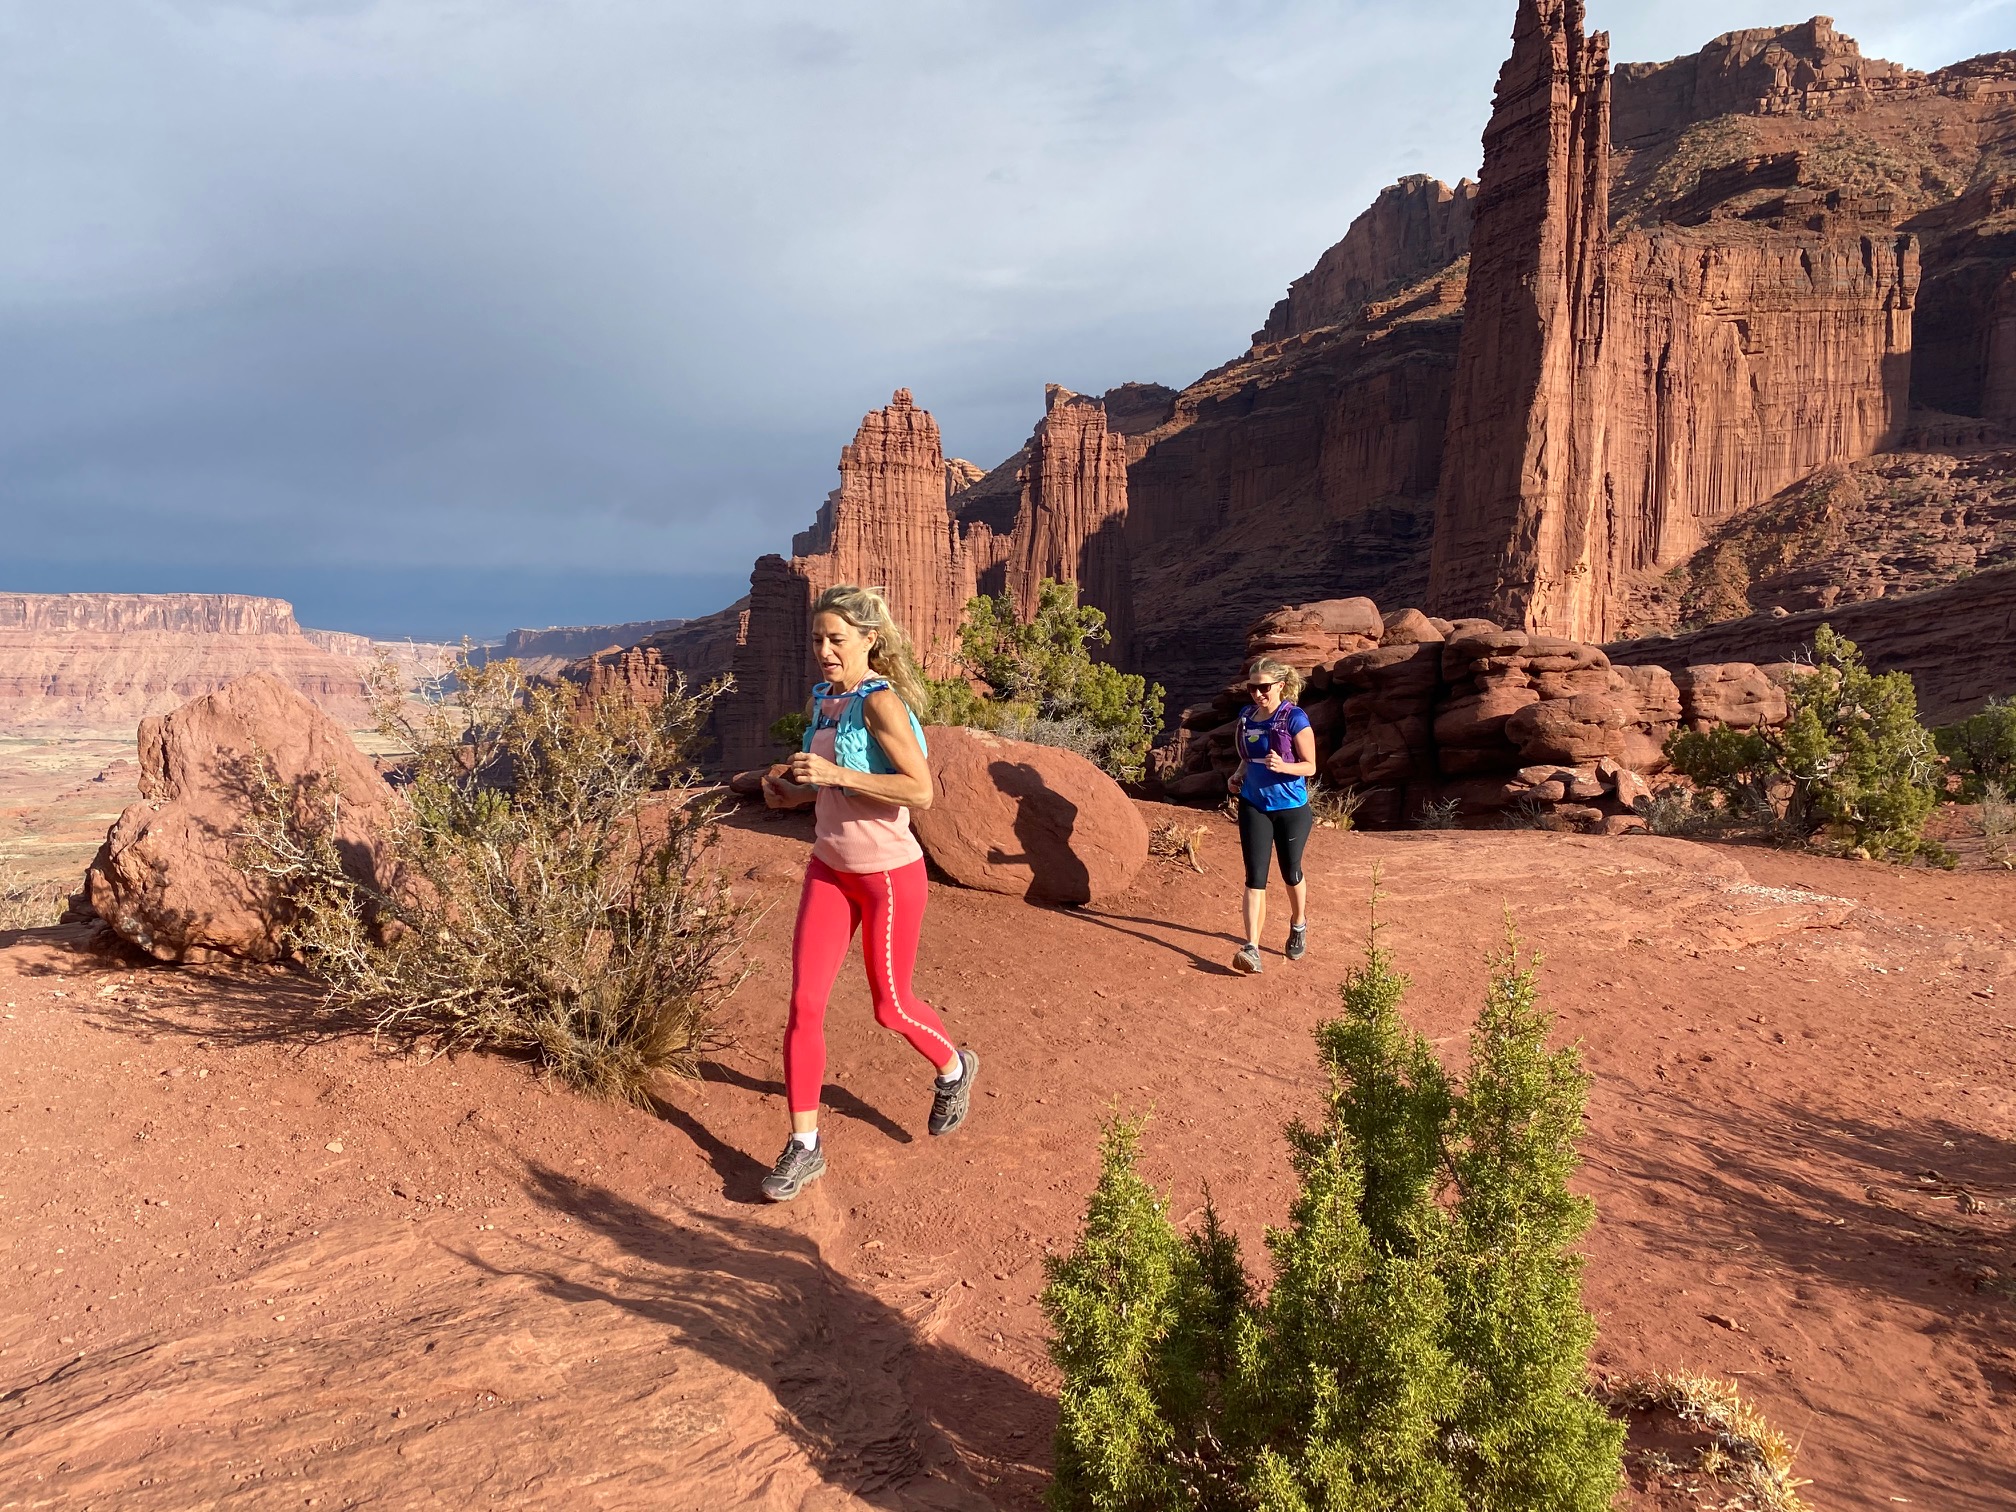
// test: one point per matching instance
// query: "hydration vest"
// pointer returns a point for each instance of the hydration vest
(854, 744)
(1256, 739)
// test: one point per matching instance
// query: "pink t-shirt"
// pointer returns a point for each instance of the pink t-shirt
(855, 833)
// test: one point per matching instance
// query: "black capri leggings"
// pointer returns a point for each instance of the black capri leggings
(1285, 830)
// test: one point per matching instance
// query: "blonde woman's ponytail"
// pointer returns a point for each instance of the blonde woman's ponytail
(1267, 669)
(867, 610)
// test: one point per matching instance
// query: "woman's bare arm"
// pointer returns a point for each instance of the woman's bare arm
(889, 722)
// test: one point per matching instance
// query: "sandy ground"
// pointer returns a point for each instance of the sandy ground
(255, 1261)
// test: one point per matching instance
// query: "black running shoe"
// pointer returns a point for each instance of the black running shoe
(796, 1169)
(1298, 942)
(1247, 959)
(949, 1105)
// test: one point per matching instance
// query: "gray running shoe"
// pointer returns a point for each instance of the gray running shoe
(1298, 942)
(796, 1169)
(949, 1105)
(1247, 960)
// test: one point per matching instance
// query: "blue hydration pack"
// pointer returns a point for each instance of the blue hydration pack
(854, 744)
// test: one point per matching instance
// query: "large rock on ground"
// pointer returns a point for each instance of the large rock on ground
(167, 877)
(1036, 822)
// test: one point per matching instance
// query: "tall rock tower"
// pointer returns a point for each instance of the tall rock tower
(1522, 532)
(1072, 524)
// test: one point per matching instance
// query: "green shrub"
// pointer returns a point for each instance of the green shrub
(1424, 1343)
(1041, 683)
(1982, 748)
(788, 730)
(554, 901)
(1851, 762)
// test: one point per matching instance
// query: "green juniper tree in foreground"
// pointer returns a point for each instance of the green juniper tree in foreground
(1424, 1343)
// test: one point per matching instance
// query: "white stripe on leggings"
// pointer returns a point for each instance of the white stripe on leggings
(889, 962)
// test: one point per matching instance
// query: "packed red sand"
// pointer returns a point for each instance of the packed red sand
(258, 1262)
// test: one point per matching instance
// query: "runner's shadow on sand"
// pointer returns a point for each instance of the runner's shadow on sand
(876, 1406)
(833, 1099)
(741, 1175)
(1118, 924)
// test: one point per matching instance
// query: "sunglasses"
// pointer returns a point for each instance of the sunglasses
(1261, 687)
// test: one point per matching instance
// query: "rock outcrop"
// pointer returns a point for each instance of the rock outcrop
(103, 661)
(1619, 395)
(543, 653)
(167, 878)
(1036, 822)
(1958, 642)
(1072, 521)
(1415, 228)
(1411, 711)
(932, 534)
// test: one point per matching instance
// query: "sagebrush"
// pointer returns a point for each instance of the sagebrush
(26, 903)
(1851, 768)
(1037, 681)
(553, 898)
(1424, 1342)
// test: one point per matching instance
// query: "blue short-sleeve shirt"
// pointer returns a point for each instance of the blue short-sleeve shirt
(1269, 791)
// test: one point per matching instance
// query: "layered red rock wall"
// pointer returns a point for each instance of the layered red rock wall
(1616, 397)
(103, 662)
(1415, 227)
(1072, 523)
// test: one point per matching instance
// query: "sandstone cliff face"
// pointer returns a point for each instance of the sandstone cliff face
(1895, 523)
(88, 662)
(1304, 470)
(1520, 535)
(932, 533)
(1072, 521)
(1778, 70)
(1415, 227)
(1618, 396)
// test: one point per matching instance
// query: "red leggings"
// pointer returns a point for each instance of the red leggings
(834, 904)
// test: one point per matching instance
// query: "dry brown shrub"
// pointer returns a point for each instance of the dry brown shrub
(1176, 841)
(26, 903)
(1742, 1450)
(1335, 808)
(554, 899)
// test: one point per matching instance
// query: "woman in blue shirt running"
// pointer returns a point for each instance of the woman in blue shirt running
(1277, 750)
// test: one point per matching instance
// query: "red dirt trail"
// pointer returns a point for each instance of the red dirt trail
(254, 1262)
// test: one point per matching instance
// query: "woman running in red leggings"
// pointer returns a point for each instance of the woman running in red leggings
(863, 766)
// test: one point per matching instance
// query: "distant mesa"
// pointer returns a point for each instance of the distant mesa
(102, 662)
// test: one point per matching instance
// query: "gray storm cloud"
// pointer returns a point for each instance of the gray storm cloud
(597, 288)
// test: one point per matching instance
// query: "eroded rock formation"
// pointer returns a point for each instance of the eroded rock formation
(932, 533)
(1619, 395)
(1415, 227)
(1072, 521)
(1414, 711)
(105, 661)
(168, 878)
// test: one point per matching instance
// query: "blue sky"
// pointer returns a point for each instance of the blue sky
(452, 315)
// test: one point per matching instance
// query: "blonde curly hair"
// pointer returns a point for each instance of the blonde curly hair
(890, 656)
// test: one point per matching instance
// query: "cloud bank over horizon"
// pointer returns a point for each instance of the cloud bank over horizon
(438, 315)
